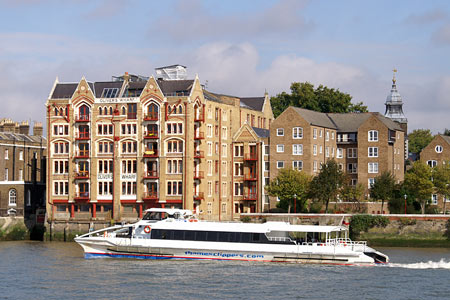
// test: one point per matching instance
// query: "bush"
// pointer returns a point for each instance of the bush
(447, 231)
(17, 232)
(315, 207)
(277, 210)
(246, 219)
(407, 221)
(362, 223)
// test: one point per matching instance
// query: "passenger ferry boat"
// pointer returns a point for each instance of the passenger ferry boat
(177, 234)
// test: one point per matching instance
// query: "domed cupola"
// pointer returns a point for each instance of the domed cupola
(394, 104)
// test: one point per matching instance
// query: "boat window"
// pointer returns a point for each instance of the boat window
(189, 235)
(245, 237)
(178, 235)
(200, 236)
(224, 236)
(153, 215)
(212, 236)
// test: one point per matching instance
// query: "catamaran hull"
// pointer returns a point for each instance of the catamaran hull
(108, 249)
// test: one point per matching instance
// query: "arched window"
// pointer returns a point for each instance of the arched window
(180, 109)
(84, 112)
(12, 197)
(110, 110)
(100, 111)
(66, 111)
(56, 111)
(124, 111)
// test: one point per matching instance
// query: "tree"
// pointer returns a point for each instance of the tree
(322, 99)
(353, 193)
(287, 184)
(419, 184)
(419, 139)
(327, 184)
(441, 180)
(383, 188)
(447, 132)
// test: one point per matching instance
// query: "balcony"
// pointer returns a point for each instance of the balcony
(82, 196)
(82, 175)
(151, 175)
(151, 134)
(198, 175)
(199, 154)
(82, 154)
(250, 177)
(131, 116)
(152, 195)
(151, 117)
(82, 136)
(250, 156)
(199, 196)
(82, 118)
(199, 135)
(151, 153)
(199, 116)
(250, 196)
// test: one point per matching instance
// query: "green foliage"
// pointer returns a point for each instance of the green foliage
(407, 222)
(352, 193)
(447, 230)
(383, 188)
(315, 207)
(16, 233)
(362, 223)
(419, 139)
(441, 179)
(321, 99)
(447, 132)
(287, 184)
(246, 219)
(326, 185)
(418, 183)
(277, 210)
(2, 234)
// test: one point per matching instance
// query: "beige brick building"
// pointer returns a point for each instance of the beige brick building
(437, 153)
(119, 147)
(22, 168)
(364, 144)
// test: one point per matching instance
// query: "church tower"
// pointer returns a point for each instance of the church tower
(394, 106)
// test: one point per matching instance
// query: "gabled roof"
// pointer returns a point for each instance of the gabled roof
(169, 87)
(19, 137)
(98, 87)
(315, 118)
(445, 137)
(350, 122)
(64, 90)
(262, 133)
(254, 103)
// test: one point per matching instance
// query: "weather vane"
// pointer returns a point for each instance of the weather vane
(393, 77)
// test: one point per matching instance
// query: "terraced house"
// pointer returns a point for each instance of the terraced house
(121, 146)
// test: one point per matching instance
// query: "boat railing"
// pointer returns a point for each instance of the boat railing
(344, 242)
(279, 239)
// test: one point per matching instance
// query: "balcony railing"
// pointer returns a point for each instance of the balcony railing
(152, 195)
(199, 116)
(199, 154)
(82, 118)
(151, 134)
(151, 117)
(82, 175)
(132, 116)
(82, 196)
(151, 174)
(250, 196)
(82, 154)
(82, 136)
(151, 153)
(199, 135)
(198, 175)
(250, 156)
(199, 196)
(250, 176)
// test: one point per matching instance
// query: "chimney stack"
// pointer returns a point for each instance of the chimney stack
(9, 126)
(24, 127)
(38, 130)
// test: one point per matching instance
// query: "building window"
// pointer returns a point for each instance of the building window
(224, 208)
(12, 197)
(28, 198)
(280, 164)
(320, 150)
(126, 129)
(129, 166)
(128, 188)
(174, 128)
(321, 133)
(224, 150)
(352, 168)
(353, 182)
(438, 149)
(266, 166)
(6, 174)
(297, 132)
(327, 135)
(352, 152)
(175, 146)
(238, 150)
(297, 165)
(105, 147)
(332, 135)
(105, 129)
(371, 181)
(129, 147)
(266, 149)
(432, 163)
(209, 208)
(60, 167)
(224, 189)
(434, 199)
(315, 133)
(314, 149)
(209, 188)
(174, 166)
(224, 133)
(373, 136)
(280, 131)
(373, 167)
(224, 168)
(327, 151)
(174, 188)
(209, 130)
(373, 151)
(209, 145)
(105, 188)
(21, 155)
(315, 166)
(238, 169)
(105, 166)
(238, 188)
(297, 149)
(340, 153)
(60, 188)
(6, 154)
(280, 148)
(60, 129)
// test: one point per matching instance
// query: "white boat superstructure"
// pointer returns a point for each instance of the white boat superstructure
(177, 234)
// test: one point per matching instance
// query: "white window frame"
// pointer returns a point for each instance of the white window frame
(373, 136)
(315, 133)
(280, 131)
(370, 182)
(372, 167)
(314, 150)
(438, 149)
(352, 153)
(297, 165)
(434, 199)
(297, 133)
(12, 197)
(432, 163)
(372, 152)
(280, 148)
(340, 153)
(280, 164)
(297, 149)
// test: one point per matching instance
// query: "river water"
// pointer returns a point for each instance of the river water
(38, 270)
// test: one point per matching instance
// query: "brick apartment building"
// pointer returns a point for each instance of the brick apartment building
(437, 153)
(22, 168)
(363, 144)
(121, 146)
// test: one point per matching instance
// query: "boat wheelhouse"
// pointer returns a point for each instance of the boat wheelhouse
(164, 233)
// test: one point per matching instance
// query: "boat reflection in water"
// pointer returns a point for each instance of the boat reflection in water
(177, 234)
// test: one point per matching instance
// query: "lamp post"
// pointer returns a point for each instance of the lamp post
(295, 203)
(405, 203)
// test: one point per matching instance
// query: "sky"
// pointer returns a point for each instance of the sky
(237, 47)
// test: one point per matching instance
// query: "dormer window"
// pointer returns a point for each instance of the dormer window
(110, 93)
